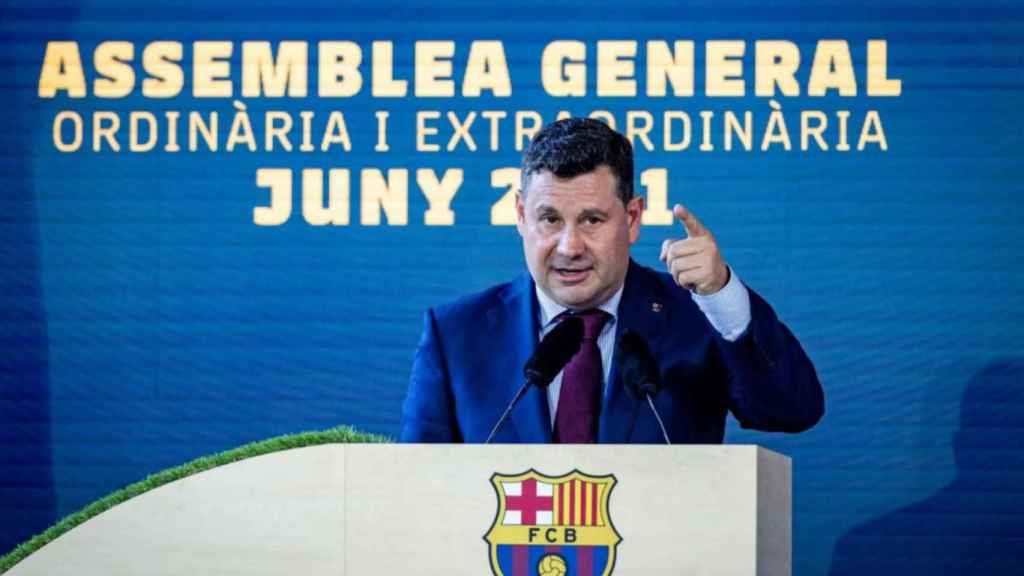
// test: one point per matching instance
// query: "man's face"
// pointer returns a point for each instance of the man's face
(576, 235)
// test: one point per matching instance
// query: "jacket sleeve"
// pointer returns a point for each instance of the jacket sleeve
(772, 384)
(428, 414)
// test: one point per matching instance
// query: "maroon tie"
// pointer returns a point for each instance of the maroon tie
(579, 401)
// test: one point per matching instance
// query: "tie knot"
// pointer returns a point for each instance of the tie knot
(593, 322)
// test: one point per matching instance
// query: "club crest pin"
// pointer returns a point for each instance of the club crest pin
(552, 526)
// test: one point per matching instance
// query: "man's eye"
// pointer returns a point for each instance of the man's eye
(592, 220)
(549, 219)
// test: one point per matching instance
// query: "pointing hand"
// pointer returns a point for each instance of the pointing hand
(695, 261)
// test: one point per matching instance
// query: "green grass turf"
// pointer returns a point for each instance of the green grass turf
(339, 435)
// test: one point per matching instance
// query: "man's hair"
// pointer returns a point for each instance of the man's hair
(574, 146)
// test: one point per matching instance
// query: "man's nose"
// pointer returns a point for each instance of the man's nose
(570, 242)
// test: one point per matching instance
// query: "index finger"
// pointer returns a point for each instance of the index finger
(693, 226)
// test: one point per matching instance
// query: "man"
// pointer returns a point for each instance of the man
(717, 344)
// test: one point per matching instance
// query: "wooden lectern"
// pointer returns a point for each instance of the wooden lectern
(372, 509)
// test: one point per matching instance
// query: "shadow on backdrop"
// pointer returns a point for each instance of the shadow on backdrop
(28, 502)
(27, 499)
(975, 525)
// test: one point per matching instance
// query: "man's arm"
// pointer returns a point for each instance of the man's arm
(429, 411)
(772, 383)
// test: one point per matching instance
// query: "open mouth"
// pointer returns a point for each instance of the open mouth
(571, 275)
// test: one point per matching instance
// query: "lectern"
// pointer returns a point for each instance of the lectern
(373, 509)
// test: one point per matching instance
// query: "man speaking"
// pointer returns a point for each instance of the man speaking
(709, 343)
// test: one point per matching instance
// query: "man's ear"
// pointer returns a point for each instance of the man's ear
(520, 214)
(634, 210)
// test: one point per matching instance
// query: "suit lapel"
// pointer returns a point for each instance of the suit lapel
(642, 311)
(531, 417)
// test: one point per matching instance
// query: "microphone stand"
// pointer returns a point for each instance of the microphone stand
(657, 417)
(508, 411)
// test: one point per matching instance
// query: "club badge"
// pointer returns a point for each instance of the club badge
(552, 526)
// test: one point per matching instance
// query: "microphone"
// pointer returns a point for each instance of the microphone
(551, 355)
(640, 375)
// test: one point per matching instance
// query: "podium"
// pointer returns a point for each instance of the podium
(392, 509)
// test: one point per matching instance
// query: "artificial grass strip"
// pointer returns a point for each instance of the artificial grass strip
(338, 435)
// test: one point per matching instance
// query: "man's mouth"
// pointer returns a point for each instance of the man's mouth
(572, 274)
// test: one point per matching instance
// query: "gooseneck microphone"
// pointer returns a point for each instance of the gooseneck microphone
(552, 354)
(640, 375)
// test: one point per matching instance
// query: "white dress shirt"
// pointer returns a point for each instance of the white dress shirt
(728, 311)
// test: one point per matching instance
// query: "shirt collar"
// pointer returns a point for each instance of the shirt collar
(549, 309)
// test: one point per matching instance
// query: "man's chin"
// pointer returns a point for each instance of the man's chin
(574, 296)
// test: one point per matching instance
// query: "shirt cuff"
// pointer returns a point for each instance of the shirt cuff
(728, 310)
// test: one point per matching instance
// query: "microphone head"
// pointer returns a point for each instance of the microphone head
(637, 367)
(554, 352)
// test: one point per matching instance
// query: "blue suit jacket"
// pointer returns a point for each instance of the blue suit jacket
(469, 365)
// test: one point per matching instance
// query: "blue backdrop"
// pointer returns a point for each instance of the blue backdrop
(146, 320)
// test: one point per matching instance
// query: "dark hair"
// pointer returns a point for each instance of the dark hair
(574, 146)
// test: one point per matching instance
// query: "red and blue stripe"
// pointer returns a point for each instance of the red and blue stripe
(522, 559)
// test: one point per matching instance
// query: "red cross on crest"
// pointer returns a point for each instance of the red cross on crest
(529, 503)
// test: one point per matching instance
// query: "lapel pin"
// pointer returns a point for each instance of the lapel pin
(655, 306)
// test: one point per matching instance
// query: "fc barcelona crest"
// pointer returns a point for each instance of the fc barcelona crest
(552, 525)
